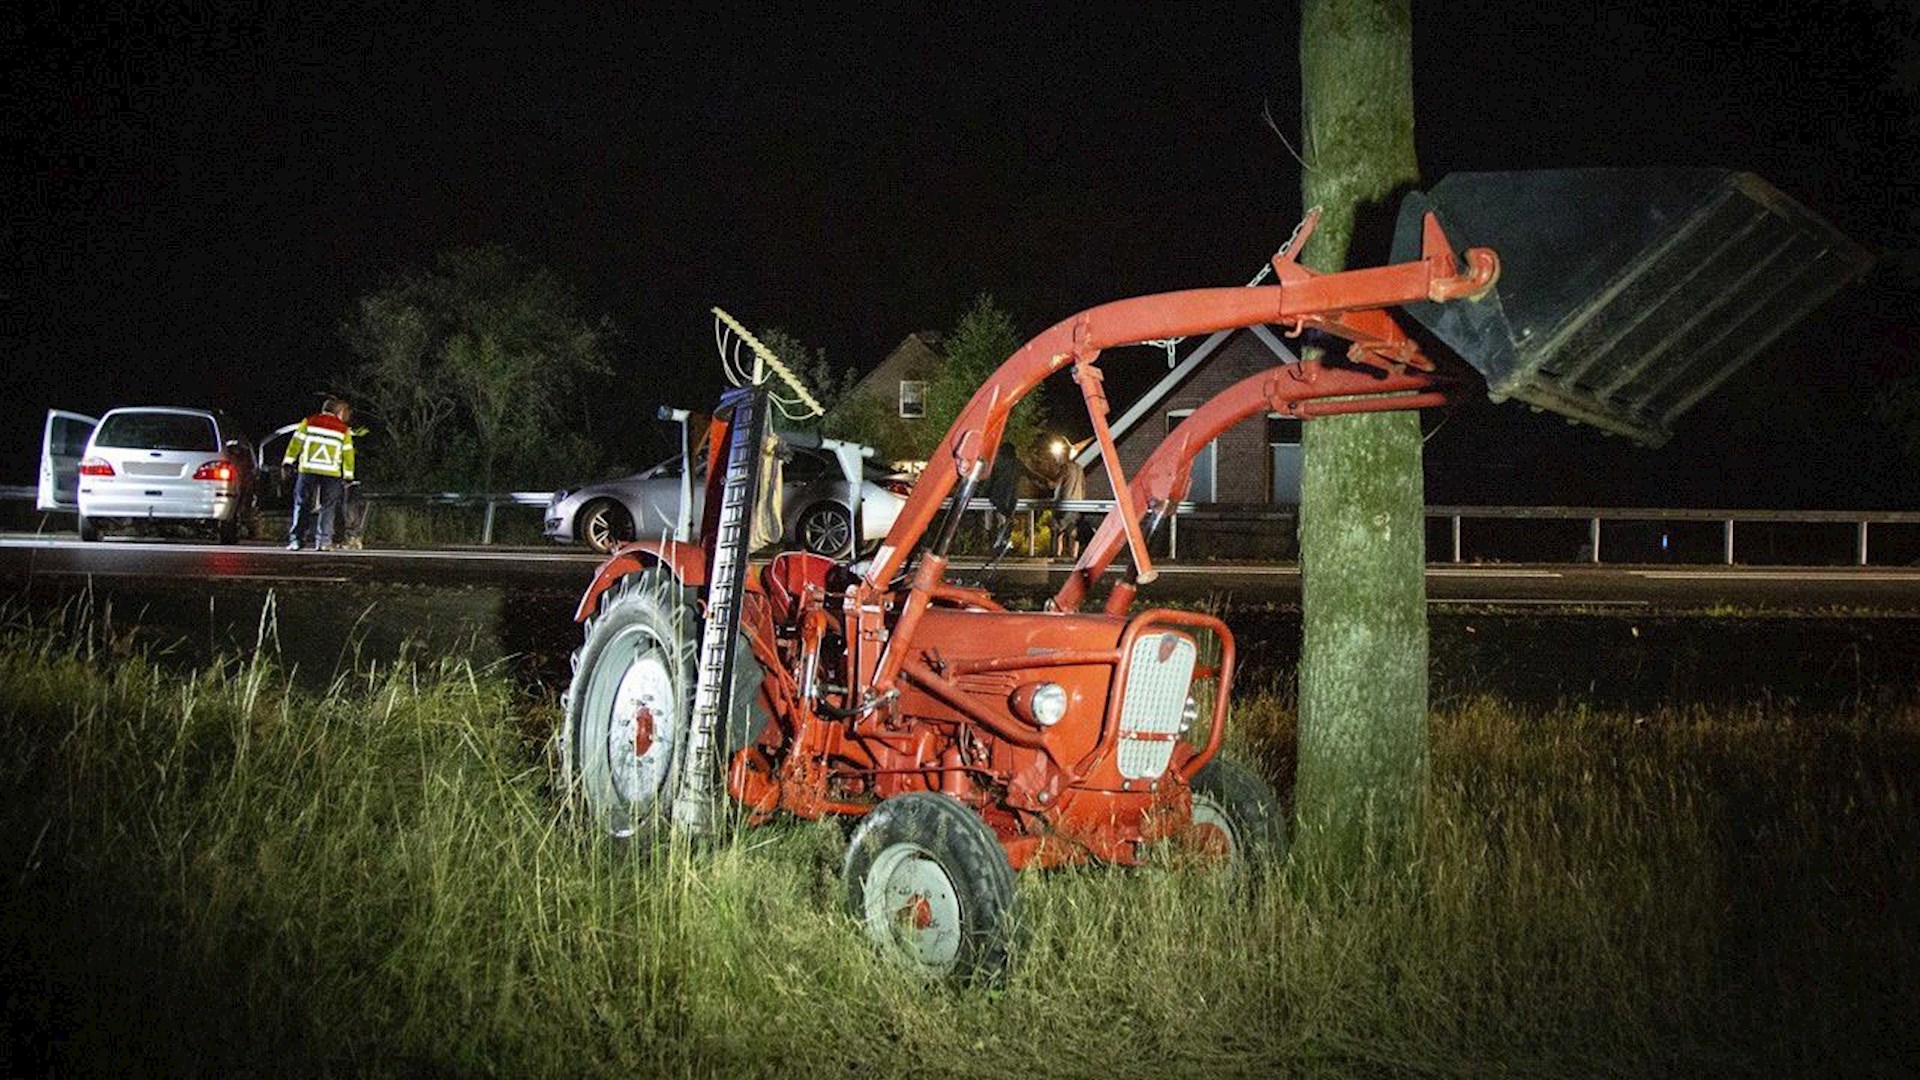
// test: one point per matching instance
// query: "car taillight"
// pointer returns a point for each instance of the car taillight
(94, 466)
(214, 470)
(902, 488)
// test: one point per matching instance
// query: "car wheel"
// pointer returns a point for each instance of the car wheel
(228, 531)
(89, 530)
(604, 525)
(826, 529)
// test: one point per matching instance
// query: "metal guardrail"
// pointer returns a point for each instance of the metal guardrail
(491, 502)
(1594, 515)
(1455, 516)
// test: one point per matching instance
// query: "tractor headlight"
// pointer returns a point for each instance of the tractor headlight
(1043, 703)
(1189, 715)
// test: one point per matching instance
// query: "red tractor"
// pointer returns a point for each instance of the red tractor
(968, 740)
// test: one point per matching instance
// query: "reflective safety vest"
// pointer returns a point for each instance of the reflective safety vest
(323, 445)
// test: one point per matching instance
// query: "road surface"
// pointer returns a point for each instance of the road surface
(1633, 637)
(1854, 589)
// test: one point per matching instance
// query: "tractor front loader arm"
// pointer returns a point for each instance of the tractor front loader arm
(1344, 303)
(1301, 390)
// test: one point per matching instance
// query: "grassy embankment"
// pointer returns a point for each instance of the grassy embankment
(223, 873)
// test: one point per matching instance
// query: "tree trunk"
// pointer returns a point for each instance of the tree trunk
(1363, 663)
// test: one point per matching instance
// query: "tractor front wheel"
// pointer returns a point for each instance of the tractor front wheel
(1237, 814)
(930, 884)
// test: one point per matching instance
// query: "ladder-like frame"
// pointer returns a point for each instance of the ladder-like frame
(731, 530)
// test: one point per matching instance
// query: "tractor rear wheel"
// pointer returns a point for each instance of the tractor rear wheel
(1237, 813)
(630, 705)
(930, 884)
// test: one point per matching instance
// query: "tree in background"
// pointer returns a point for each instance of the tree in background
(474, 373)
(393, 384)
(875, 421)
(979, 343)
(1363, 660)
(829, 382)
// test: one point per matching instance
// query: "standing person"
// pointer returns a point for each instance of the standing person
(353, 508)
(1003, 494)
(1069, 484)
(322, 451)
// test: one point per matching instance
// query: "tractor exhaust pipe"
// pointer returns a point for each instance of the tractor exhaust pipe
(950, 525)
(927, 575)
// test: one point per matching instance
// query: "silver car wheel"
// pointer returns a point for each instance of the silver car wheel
(827, 530)
(605, 525)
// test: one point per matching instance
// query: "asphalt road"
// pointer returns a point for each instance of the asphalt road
(557, 571)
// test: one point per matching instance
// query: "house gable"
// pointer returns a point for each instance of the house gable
(1243, 468)
(915, 359)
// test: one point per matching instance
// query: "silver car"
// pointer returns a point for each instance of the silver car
(816, 510)
(145, 465)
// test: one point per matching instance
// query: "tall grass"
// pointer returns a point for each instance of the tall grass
(221, 872)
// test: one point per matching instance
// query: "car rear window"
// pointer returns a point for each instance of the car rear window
(157, 431)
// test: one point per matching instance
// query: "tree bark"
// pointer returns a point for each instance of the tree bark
(1363, 661)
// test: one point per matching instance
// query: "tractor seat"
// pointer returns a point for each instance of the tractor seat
(786, 579)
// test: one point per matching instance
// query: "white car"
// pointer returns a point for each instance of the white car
(147, 464)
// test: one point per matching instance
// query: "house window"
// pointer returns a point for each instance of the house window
(1202, 489)
(913, 398)
(1283, 452)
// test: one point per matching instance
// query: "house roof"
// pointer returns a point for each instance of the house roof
(1180, 373)
(908, 360)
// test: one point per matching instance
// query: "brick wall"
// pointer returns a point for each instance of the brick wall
(1242, 471)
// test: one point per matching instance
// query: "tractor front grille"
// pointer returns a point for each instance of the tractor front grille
(1159, 673)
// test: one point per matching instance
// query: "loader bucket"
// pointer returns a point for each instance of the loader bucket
(1625, 295)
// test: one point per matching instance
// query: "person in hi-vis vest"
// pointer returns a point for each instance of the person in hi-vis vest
(322, 451)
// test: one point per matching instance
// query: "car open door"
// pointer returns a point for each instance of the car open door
(62, 445)
(269, 484)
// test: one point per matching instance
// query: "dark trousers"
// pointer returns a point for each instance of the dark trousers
(353, 514)
(316, 500)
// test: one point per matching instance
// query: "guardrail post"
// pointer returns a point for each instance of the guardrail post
(1860, 554)
(486, 526)
(1593, 537)
(1456, 538)
(1726, 540)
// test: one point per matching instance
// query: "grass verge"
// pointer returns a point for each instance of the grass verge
(222, 872)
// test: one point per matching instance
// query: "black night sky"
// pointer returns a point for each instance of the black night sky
(195, 195)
